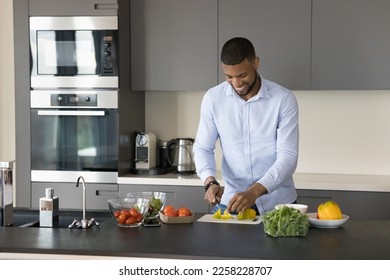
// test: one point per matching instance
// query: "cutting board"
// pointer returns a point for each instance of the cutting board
(208, 218)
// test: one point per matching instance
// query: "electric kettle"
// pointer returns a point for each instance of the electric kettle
(181, 157)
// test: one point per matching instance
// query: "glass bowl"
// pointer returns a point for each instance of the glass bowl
(157, 202)
(129, 211)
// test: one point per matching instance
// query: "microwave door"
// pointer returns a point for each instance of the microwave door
(66, 53)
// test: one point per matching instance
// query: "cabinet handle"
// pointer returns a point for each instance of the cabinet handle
(70, 113)
(106, 193)
(106, 6)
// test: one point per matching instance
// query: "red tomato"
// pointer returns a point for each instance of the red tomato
(170, 213)
(117, 213)
(168, 208)
(125, 211)
(139, 218)
(134, 213)
(131, 220)
(184, 212)
(122, 219)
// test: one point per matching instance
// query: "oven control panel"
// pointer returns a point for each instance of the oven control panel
(74, 100)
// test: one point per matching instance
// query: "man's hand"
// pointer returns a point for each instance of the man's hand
(246, 199)
(213, 194)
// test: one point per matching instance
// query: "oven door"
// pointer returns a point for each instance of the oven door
(71, 142)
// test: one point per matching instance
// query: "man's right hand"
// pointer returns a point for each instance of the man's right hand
(213, 194)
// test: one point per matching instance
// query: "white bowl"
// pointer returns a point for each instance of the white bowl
(301, 207)
(314, 221)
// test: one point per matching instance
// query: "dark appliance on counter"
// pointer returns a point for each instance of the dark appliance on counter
(79, 52)
(183, 157)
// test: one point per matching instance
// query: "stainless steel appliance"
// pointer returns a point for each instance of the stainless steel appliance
(75, 133)
(78, 52)
(145, 150)
(6, 193)
(183, 158)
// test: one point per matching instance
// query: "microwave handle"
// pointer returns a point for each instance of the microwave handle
(70, 113)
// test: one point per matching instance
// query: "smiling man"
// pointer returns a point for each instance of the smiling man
(256, 122)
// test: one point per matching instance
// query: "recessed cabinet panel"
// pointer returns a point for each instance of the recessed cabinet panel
(280, 31)
(71, 197)
(72, 7)
(351, 43)
(173, 44)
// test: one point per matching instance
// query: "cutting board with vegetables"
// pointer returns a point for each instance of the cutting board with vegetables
(208, 218)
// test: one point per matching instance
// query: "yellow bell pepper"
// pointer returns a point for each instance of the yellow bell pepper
(248, 214)
(217, 214)
(329, 210)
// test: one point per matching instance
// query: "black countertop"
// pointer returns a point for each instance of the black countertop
(354, 240)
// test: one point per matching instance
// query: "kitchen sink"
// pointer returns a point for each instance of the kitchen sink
(30, 218)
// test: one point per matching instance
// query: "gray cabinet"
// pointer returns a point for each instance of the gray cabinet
(71, 197)
(358, 205)
(351, 42)
(173, 45)
(73, 7)
(280, 31)
(178, 196)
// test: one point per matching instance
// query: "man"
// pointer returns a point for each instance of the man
(256, 122)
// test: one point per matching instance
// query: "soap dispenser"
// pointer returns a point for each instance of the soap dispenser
(49, 209)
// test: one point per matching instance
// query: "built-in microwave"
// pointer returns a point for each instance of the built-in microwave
(74, 52)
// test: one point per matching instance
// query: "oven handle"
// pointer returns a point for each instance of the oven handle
(70, 113)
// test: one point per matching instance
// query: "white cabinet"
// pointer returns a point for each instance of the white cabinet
(173, 45)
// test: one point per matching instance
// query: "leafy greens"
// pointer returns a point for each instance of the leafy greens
(285, 222)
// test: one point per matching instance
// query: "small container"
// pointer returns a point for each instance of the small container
(177, 220)
(49, 209)
(301, 207)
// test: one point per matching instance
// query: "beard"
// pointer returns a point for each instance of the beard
(250, 87)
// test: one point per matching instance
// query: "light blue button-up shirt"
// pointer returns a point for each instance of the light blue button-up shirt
(259, 141)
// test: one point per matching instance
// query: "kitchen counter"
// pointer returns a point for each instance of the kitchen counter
(354, 240)
(304, 181)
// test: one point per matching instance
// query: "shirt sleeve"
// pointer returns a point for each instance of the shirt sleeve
(287, 146)
(206, 137)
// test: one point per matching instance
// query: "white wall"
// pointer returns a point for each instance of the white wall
(341, 132)
(7, 100)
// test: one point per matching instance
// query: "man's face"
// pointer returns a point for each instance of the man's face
(242, 76)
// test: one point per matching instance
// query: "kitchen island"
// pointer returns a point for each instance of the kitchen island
(355, 240)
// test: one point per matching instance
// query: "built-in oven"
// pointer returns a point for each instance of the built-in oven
(74, 52)
(74, 133)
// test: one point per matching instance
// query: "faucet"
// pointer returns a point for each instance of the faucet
(84, 223)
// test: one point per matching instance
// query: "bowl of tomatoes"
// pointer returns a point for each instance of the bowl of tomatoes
(129, 211)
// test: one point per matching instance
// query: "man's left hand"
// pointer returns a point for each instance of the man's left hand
(246, 199)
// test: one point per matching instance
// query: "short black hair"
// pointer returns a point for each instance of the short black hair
(236, 50)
